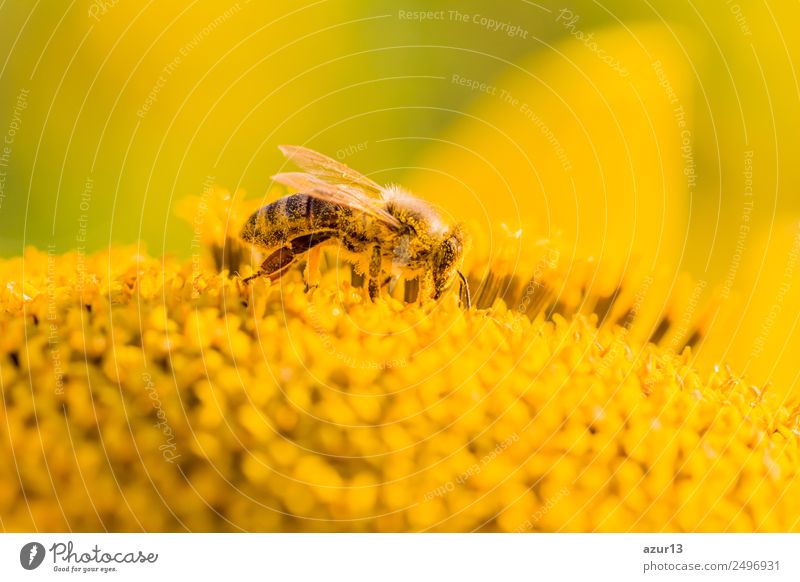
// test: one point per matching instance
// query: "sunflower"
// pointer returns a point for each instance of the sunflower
(160, 394)
(614, 373)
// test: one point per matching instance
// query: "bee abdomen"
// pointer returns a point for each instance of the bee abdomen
(277, 223)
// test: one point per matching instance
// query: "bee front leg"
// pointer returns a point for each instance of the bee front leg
(425, 286)
(374, 284)
(463, 291)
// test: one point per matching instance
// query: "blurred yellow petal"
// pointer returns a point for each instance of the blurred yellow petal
(564, 143)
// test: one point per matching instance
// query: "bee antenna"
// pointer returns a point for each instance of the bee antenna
(465, 290)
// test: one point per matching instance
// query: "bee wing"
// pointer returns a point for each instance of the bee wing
(337, 194)
(330, 171)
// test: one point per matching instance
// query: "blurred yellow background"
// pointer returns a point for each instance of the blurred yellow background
(662, 133)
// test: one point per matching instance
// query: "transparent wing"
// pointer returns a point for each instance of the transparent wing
(337, 194)
(330, 171)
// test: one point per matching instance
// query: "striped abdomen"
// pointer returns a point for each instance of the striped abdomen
(280, 222)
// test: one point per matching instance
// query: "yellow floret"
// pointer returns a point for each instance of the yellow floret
(155, 395)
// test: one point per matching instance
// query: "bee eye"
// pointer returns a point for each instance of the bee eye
(450, 251)
(453, 245)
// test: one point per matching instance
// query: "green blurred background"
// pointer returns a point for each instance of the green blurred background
(113, 111)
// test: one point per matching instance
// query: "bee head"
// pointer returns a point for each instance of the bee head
(447, 260)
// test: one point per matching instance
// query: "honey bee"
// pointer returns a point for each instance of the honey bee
(385, 232)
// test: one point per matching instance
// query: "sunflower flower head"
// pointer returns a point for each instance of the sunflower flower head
(162, 394)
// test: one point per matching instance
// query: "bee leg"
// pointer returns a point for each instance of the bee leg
(425, 287)
(411, 290)
(312, 269)
(356, 278)
(274, 266)
(463, 291)
(373, 285)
